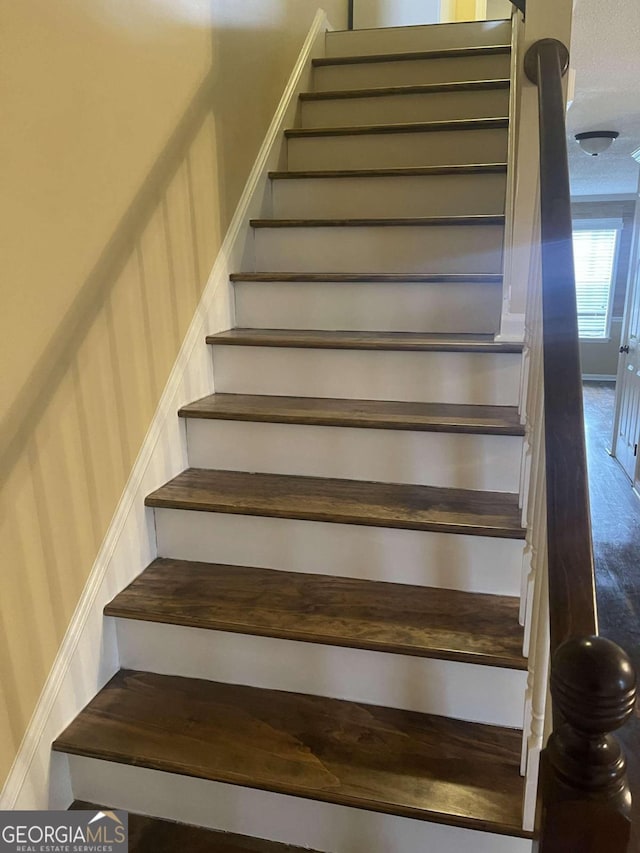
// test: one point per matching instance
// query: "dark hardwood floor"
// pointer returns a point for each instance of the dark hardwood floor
(615, 514)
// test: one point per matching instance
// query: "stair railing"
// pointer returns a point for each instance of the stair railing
(583, 792)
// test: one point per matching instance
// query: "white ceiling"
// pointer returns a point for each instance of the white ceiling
(605, 54)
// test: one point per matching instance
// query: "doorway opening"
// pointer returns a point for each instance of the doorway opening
(605, 239)
(372, 14)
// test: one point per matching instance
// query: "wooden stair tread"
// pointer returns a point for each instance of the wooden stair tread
(397, 341)
(425, 622)
(154, 835)
(393, 222)
(395, 172)
(377, 414)
(414, 89)
(394, 27)
(401, 127)
(396, 505)
(441, 53)
(385, 760)
(370, 278)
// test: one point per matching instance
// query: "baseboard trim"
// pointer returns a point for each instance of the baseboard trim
(88, 655)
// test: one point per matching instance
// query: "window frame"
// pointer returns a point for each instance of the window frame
(605, 224)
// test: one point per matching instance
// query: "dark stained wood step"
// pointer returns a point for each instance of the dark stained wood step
(442, 53)
(393, 341)
(395, 505)
(369, 278)
(422, 221)
(405, 127)
(420, 621)
(415, 89)
(374, 414)
(153, 835)
(397, 172)
(397, 762)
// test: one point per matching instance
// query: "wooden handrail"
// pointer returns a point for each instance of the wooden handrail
(583, 785)
(571, 570)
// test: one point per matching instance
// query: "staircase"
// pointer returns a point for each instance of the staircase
(327, 651)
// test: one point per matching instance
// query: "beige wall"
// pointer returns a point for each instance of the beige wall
(497, 9)
(473, 10)
(600, 358)
(395, 13)
(129, 128)
(457, 10)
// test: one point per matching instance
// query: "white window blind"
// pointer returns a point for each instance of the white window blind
(594, 253)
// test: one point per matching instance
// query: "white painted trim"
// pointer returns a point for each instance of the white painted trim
(475, 692)
(452, 460)
(482, 564)
(599, 377)
(88, 656)
(632, 292)
(510, 193)
(259, 813)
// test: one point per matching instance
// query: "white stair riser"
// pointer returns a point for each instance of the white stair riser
(410, 307)
(482, 694)
(428, 37)
(410, 72)
(391, 150)
(414, 195)
(276, 817)
(485, 462)
(452, 561)
(437, 106)
(392, 249)
(491, 379)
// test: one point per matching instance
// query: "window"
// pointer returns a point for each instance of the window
(594, 249)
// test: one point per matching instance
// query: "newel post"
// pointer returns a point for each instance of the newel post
(584, 790)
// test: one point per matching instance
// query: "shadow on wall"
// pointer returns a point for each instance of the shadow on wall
(171, 224)
(176, 221)
(70, 436)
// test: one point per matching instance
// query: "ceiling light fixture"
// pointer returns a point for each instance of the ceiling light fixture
(595, 142)
(636, 155)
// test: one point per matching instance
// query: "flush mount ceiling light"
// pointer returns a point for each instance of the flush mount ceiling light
(595, 142)
(636, 155)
